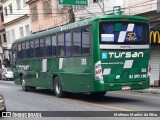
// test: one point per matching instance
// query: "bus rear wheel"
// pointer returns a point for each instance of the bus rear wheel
(97, 94)
(58, 87)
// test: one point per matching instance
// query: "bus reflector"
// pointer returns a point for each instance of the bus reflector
(98, 71)
(124, 19)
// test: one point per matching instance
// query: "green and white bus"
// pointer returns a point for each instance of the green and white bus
(107, 53)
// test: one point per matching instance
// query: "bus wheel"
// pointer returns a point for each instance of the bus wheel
(24, 87)
(97, 94)
(58, 87)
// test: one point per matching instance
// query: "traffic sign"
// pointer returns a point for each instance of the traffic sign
(74, 2)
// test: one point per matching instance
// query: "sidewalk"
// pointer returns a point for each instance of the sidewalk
(155, 90)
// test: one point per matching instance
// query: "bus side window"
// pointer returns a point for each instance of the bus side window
(85, 40)
(23, 50)
(48, 49)
(31, 49)
(77, 42)
(61, 50)
(41, 49)
(54, 45)
(68, 43)
(37, 48)
(27, 49)
(19, 51)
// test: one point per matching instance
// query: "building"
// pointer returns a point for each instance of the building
(2, 35)
(16, 22)
(46, 14)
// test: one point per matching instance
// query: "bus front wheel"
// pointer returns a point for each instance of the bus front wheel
(58, 87)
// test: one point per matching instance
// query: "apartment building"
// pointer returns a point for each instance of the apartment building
(46, 14)
(2, 35)
(16, 23)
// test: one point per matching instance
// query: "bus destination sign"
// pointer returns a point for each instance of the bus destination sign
(74, 2)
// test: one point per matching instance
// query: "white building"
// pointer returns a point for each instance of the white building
(16, 22)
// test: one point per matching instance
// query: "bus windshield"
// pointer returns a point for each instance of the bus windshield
(126, 33)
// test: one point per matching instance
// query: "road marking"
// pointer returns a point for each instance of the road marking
(95, 104)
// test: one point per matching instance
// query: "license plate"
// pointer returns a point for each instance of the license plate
(126, 88)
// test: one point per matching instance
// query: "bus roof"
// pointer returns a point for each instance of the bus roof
(77, 24)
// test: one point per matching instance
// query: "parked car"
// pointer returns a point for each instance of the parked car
(7, 74)
(2, 104)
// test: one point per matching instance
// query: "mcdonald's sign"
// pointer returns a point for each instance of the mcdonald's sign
(155, 37)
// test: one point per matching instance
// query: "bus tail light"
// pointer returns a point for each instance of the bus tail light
(149, 69)
(98, 71)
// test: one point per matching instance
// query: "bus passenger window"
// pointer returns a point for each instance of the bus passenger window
(48, 46)
(27, 49)
(85, 41)
(19, 51)
(37, 48)
(61, 50)
(31, 49)
(23, 50)
(68, 43)
(76, 42)
(41, 49)
(54, 45)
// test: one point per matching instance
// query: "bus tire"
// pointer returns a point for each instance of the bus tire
(24, 86)
(58, 87)
(97, 94)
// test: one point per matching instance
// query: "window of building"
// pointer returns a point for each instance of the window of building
(54, 45)
(18, 4)
(34, 14)
(21, 32)
(2, 18)
(85, 40)
(47, 7)
(48, 46)
(5, 11)
(27, 50)
(68, 43)
(27, 30)
(37, 48)
(41, 49)
(23, 50)
(32, 49)
(61, 50)
(13, 34)
(24, 3)
(77, 42)
(4, 38)
(8, 36)
(10, 9)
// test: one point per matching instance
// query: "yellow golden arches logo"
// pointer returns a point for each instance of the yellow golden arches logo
(154, 37)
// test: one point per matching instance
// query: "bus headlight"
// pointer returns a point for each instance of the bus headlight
(98, 71)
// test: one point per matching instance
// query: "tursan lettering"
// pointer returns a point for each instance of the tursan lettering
(125, 54)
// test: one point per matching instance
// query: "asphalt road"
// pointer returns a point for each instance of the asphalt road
(45, 100)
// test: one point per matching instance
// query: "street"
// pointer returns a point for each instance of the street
(45, 100)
